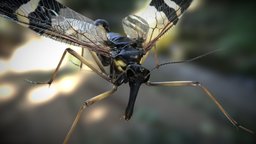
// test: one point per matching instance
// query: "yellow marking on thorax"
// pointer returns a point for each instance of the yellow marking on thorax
(120, 65)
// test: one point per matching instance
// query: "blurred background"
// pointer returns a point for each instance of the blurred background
(178, 115)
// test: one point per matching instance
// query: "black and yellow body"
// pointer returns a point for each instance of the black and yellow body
(125, 66)
(121, 53)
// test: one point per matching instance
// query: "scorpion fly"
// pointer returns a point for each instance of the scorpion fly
(121, 54)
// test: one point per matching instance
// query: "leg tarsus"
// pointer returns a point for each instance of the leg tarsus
(49, 82)
(86, 104)
(206, 91)
(37, 83)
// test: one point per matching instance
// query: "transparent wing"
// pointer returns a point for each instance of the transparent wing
(136, 27)
(54, 20)
(154, 21)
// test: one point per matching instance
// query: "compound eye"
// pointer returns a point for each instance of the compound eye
(103, 23)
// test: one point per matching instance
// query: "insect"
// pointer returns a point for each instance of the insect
(122, 54)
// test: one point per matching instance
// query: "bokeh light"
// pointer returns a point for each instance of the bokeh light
(36, 54)
(41, 95)
(95, 114)
(69, 83)
(7, 92)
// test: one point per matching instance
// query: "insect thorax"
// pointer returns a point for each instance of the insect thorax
(125, 60)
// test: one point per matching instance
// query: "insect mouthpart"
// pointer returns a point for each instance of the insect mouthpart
(136, 75)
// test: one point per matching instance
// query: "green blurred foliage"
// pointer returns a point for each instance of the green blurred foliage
(223, 25)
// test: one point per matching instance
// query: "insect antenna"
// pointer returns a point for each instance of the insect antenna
(186, 61)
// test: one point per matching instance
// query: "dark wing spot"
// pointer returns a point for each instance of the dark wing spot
(40, 19)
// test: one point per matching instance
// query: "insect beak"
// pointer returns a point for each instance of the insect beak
(136, 75)
(134, 88)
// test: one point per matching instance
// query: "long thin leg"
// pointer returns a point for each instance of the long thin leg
(86, 104)
(79, 57)
(197, 84)
(82, 54)
(156, 57)
(94, 56)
